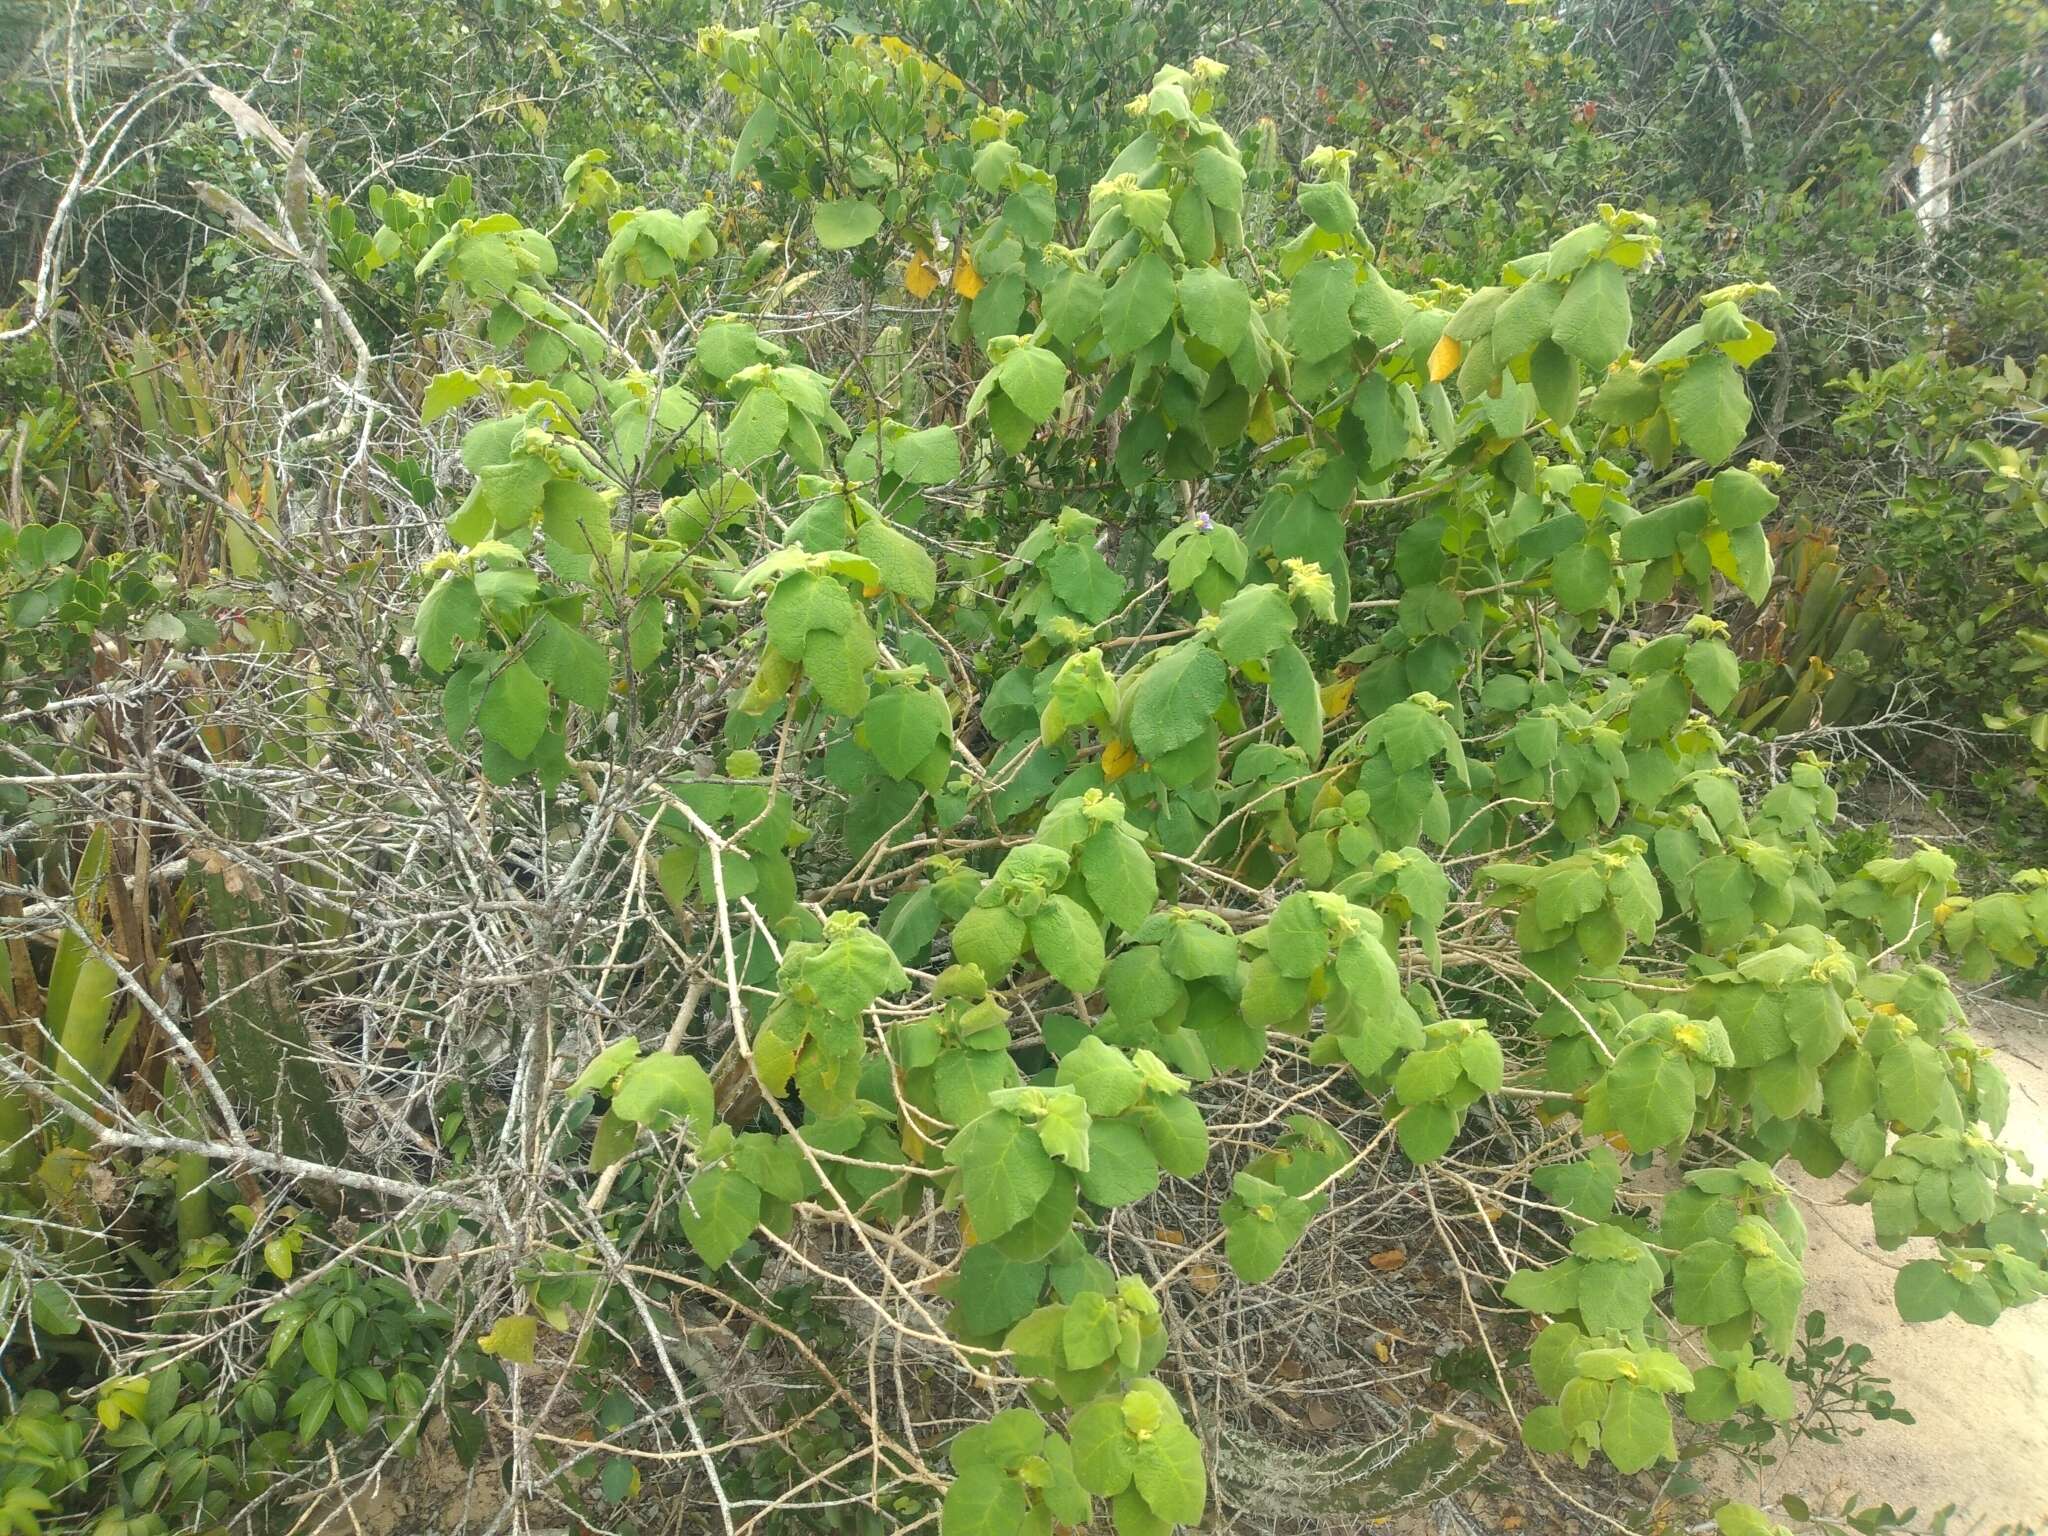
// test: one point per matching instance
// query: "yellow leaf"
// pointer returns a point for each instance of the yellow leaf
(1444, 358)
(1117, 760)
(511, 1339)
(1336, 695)
(966, 281)
(919, 276)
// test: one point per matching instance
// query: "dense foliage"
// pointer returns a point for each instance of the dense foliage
(751, 797)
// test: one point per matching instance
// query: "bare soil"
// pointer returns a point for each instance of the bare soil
(1979, 1395)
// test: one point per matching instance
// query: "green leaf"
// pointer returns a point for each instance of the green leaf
(1707, 1279)
(1912, 1083)
(1524, 319)
(1715, 675)
(1253, 624)
(905, 568)
(990, 937)
(1072, 304)
(1581, 577)
(1067, 943)
(1592, 321)
(514, 712)
(1004, 1171)
(1319, 307)
(1175, 697)
(1297, 939)
(1034, 379)
(1636, 1428)
(719, 1212)
(1168, 1471)
(1740, 499)
(1261, 1224)
(449, 613)
(1649, 1095)
(1775, 1288)
(1426, 1132)
(1139, 304)
(1007, 1441)
(1121, 1167)
(1120, 878)
(844, 224)
(578, 667)
(659, 1091)
(756, 428)
(1216, 306)
(1925, 1291)
(1552, 1290)
(1709, 406)
(902, 725)
(984, 1501)
(996, 1292)
(323, 1352)
(446, 392)
(930, 457)
(1295, 694)
(1330, 205)
(1063, 1128)
(1555, 374)
(1427, 1075)
(762, 124)
(1090, 1331)
(1177, 1135)
(1102, 1447)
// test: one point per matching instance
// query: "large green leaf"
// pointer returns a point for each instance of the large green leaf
(1649, 1092)
(1168, 1470)
(662, 1090)
(984, 1501)
(1139, 303)
(719, 1212)
(1175, 697)
(1708, 1283)
(1592, 321)
(1004, 1171)
(514, 712)
(1319, 306)
(844, 224)
(1709, 406)
(1636, 1428)
(1067, 943)
(1216, 306)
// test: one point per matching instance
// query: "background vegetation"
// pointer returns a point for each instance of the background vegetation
(812, 770)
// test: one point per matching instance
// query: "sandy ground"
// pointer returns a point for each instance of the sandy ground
(1980, 1395)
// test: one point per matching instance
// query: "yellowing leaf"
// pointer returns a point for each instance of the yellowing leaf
(920, 277)
(966, 281)
(1444, 358)
(1118, 759)
(511, 1339)
(1336, 695)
